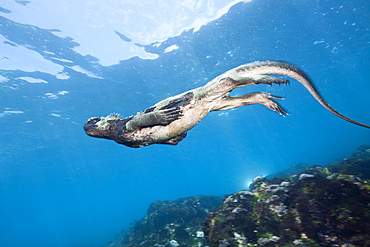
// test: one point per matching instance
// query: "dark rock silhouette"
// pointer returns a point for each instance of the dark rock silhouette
(172, 223)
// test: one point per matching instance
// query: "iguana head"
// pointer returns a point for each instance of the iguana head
(100, 126)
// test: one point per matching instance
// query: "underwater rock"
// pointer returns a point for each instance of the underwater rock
(314, 208)
(289, 171)
(172, 223)
(362, 153)
(306, 206)
(358, 163)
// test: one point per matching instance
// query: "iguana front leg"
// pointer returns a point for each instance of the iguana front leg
(160, 117)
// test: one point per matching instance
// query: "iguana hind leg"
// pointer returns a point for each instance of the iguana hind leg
(249, 99)
(258, 79)
(223, 86)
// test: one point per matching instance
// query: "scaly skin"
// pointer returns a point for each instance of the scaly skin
(167, 121)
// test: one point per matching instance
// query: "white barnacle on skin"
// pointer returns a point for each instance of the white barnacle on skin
(113, 116)
(103, 124)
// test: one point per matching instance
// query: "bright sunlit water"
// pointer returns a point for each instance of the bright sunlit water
(62, 62)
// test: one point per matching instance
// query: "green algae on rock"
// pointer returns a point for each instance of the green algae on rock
(172, 223)
(358, 163)
(314, 208)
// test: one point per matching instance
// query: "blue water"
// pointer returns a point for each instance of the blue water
(60, 187)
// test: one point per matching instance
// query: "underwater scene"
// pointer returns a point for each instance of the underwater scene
(184, 123)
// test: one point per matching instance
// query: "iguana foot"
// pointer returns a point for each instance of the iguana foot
(249, 99)
(167, 116)
(264, 99)
(160, 117)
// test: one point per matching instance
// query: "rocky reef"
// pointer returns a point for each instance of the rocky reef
(290, 171)
(172, 223)
(358, 163)
(302, 206)
(317, 207)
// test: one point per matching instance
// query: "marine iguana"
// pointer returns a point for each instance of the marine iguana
(168, 121)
